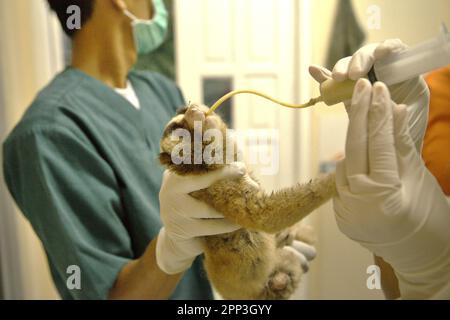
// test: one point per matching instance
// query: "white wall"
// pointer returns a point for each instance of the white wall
(340, 269)
(30, 54)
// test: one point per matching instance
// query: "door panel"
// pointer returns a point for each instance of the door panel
(251, 42)
(255, 44)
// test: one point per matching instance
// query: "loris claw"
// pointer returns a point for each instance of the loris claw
(250, 263)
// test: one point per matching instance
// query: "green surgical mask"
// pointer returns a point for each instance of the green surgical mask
(149, 35)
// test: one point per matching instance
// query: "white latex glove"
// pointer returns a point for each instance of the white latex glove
(387, 200)
(413, 93)
(186, 220)
(305, 253)
(303, 245)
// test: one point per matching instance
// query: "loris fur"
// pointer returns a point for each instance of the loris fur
(252, 263)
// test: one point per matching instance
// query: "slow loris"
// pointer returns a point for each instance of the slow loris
(252, 263)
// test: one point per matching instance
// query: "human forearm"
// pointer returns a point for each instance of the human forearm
(389, 281)
(421, 260)
(143, 280)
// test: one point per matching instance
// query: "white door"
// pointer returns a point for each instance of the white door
(255, 45)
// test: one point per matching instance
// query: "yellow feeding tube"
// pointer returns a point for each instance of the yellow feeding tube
(216, 105)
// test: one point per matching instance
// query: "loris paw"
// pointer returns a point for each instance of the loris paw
(279, 281)
(284, 280)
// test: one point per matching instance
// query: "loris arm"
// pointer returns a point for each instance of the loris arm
(245, 203)
(142, 279)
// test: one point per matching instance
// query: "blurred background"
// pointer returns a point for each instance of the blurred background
(216, 46)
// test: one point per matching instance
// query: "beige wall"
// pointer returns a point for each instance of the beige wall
(340, 269)
(410, 20)
(26, 66)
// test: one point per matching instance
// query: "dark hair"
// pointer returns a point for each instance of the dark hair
(60, 8)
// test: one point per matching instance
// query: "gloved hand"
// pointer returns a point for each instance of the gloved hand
(413, 93)
(303, 246)
(186, 219)
(387, 200)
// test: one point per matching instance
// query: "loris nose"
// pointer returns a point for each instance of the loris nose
(194, 114)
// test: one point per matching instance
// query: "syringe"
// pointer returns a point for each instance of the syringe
(394, 69)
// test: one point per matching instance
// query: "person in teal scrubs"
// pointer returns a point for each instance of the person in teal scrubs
(83, 166)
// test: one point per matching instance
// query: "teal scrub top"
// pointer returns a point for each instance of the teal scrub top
(83, 167)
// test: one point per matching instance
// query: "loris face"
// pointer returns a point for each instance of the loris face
(195, 142)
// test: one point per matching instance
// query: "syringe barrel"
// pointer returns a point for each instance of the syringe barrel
(396, 68)
(415, 61)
